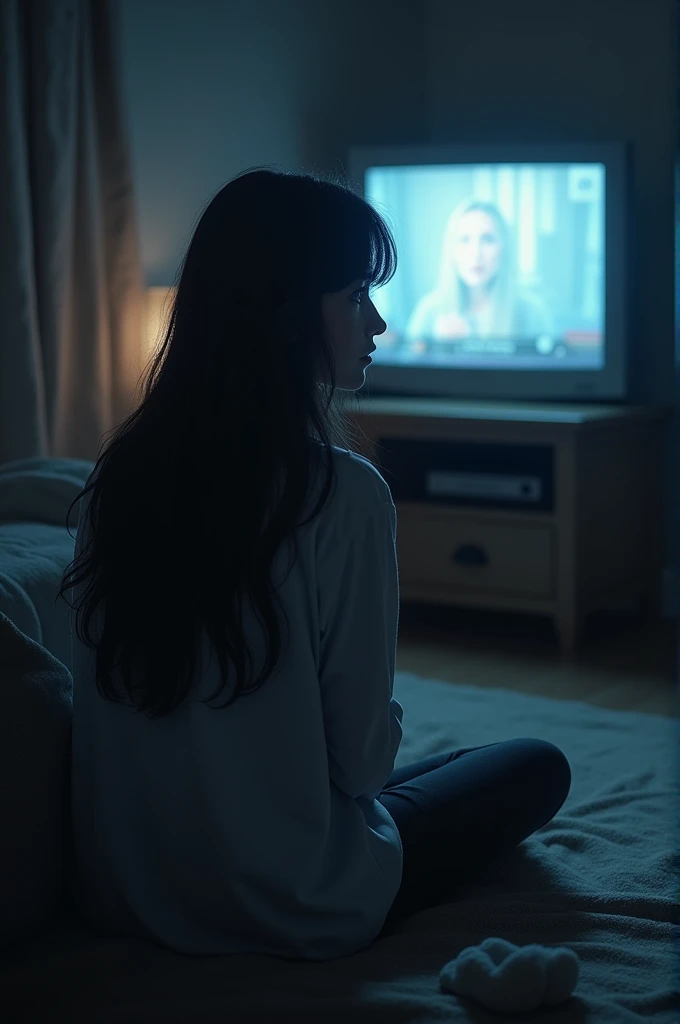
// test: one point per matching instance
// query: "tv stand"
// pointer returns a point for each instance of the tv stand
(588, 536)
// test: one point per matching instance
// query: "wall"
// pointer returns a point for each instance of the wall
(215, 86)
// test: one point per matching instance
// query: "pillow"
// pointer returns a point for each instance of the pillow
(35, 751)
(41, 490)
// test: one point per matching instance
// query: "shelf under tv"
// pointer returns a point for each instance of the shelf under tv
(587, 536)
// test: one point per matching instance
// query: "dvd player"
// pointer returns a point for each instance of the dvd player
(468, 473)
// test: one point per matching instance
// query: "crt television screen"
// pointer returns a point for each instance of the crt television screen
(500, 266)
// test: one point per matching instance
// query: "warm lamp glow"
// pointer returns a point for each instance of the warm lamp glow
(158, 304)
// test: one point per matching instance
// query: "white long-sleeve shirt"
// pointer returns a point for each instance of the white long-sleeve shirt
(256, 828)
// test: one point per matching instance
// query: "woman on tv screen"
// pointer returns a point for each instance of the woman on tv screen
(477, 295)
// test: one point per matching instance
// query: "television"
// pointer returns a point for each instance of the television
(512, 266)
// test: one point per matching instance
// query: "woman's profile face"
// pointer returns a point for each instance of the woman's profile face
(477, 249)
(351, 322)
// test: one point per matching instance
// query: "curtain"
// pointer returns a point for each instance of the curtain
(672, 603)
(71, 286)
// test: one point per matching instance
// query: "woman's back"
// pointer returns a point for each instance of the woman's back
(255, 828)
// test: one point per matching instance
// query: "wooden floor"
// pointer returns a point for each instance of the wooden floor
(624, 664)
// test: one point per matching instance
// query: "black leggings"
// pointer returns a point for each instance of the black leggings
(457, 813)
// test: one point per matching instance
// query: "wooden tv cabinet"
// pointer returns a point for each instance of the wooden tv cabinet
(598, 545)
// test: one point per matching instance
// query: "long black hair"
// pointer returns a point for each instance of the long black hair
(185, 515)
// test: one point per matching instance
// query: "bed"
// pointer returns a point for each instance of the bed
(601, 879)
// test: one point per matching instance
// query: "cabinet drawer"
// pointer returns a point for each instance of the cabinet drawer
(466, 554)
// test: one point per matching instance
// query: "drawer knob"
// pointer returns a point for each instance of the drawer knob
(470, 554)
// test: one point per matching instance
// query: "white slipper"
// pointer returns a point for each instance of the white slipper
(512, 979)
